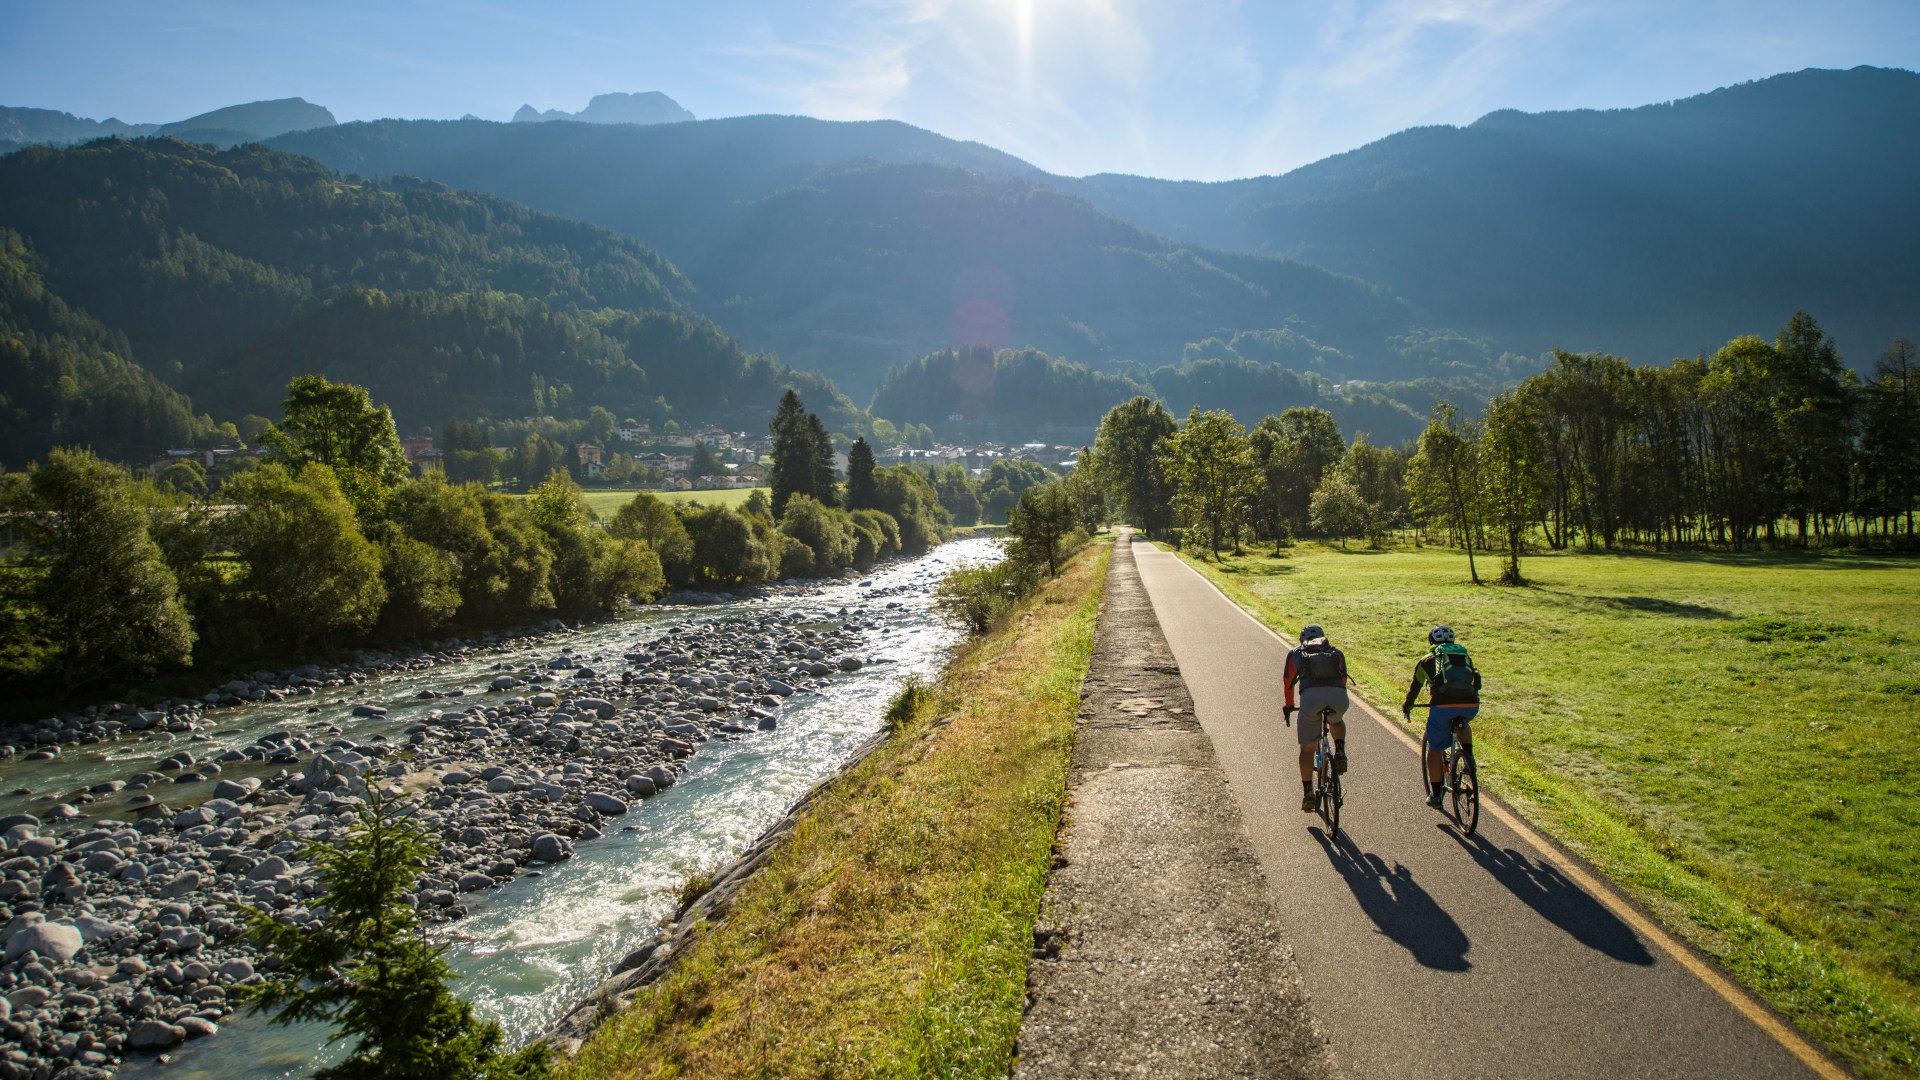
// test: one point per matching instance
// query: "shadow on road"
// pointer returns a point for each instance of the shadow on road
(1398, 905)
(1546, 890)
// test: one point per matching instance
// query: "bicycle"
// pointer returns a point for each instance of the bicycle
(1461, 776)
(1327, 793)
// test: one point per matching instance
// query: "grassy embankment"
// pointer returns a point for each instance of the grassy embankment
(607, 502)
(890, 934)
(1735, 738)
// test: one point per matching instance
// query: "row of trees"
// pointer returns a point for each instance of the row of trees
(1762, 443)
(329, 542)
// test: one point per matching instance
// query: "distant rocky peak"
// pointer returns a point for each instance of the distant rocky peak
(651, 107)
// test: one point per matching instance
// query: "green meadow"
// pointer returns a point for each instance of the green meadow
(1733, 737)
(606, 503)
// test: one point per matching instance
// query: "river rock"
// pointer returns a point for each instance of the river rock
(155, 1035)
(601, 706)
(661, 776)
(236, 789)
(50, 940)
(850, 664)
(235, 970)
(181, 885)
(550, 847)
(605, 804)
(641, 785)
(474, 882)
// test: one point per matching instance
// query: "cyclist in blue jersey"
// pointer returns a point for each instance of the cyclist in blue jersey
(1454, 698)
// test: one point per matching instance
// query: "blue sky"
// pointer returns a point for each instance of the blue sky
(1190, 89)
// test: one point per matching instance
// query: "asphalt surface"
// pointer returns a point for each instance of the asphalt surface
(1425, 953)
(1159, 951)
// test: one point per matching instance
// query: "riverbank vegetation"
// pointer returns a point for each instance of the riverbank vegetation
(890, 935)
(1727, 735)
(327, 543)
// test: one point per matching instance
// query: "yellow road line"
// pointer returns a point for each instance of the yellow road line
(1733, 993)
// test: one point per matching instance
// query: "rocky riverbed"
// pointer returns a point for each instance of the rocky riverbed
(124, 903)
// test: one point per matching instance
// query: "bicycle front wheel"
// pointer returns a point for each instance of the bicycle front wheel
(1466, 799)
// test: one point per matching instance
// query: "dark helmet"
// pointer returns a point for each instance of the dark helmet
(1311, 632)
(1440, 635)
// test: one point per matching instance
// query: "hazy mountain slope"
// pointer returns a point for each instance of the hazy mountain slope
(22, 126)
(1649, 231)
(229, 271)
(651, 107)
(259, 119)
(853, 247)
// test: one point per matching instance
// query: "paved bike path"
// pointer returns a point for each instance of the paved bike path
(1425, 954)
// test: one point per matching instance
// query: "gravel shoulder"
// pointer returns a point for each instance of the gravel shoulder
(1159, 951)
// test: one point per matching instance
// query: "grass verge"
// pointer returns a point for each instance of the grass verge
(890, 934)
(1728, 737)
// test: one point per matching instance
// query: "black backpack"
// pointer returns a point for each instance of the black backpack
(1453, 669)
(1320, 664)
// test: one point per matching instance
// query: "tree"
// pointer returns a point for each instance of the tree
(1337, 509)
(1088, 495)
(958, 493)
(825, 485)
(1006, 478)
(109, 603)
(1215, 479)
(704, 462)
(861, 492)
(1444, 477)
(339, 426)
(310, 574)
(368, 969)
(1511, 468)
(1040, 522)
(1890, 440)
(1377, 473)
(725, 549)
(826, 531)
(1128, 449)
(1813, 406)
(793, 452)
(648, 519)
(1294, 450)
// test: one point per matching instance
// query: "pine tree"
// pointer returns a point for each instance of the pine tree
(792, 452)
(369, 970)
(861, 491)
(826, 488)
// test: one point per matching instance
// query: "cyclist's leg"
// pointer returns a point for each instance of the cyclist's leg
(1338, 728)
(1307, 724)
(1439, 737)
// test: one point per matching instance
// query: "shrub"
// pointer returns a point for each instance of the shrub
(976, 596)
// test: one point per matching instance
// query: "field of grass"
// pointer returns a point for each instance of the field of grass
(606, 502)
(890, 934)
(1733, 737)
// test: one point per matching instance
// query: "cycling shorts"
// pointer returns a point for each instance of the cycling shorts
(1440, 720)
(1312, 700)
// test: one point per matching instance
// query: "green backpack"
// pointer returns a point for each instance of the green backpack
(1453, 669)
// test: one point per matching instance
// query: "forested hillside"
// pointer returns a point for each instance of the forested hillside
(853, 247)
(1657, 231)
(1017, 393)
(225, 272)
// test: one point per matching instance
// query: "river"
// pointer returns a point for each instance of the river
(532, 948)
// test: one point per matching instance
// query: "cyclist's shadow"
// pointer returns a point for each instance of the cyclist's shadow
(1546, 890)
(1398, 905)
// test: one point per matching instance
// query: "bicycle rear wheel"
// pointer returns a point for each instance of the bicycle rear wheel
(1466, 796)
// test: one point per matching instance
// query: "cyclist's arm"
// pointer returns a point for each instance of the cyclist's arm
(1288, 676)
(1420, 675)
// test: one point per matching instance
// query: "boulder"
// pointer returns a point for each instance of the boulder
(661, 776)
(49, 940)
(155, 1035)
(605, 804)
(641, 785)
(474, 882)
(600, 706)
(550, 847)
(236, 789)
